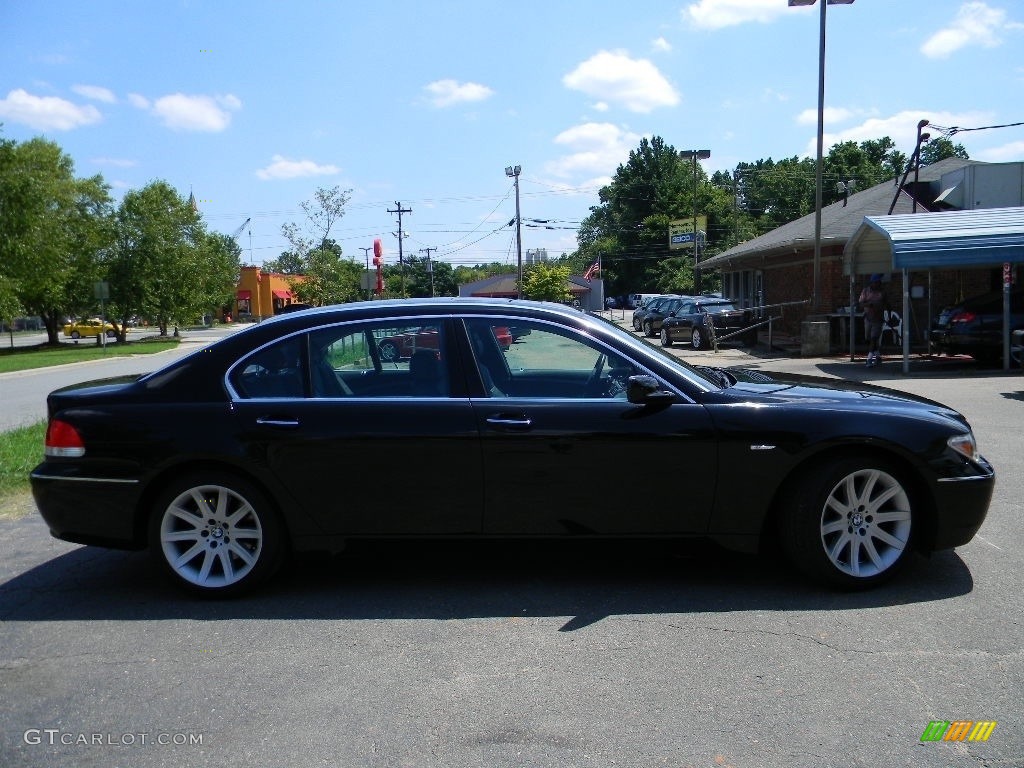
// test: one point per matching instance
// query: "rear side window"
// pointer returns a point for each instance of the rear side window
(274, 372)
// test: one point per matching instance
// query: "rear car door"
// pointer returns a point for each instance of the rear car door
(367, 446)
(565, 453)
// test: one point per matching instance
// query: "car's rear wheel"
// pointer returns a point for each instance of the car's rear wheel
(110, 334)
(216, 534)
(697, 339)
(666, 340)
(850, 522)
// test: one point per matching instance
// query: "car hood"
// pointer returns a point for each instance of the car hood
(769, 387)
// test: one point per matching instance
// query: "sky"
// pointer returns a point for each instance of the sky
(251, 107)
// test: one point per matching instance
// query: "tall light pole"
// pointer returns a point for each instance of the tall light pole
(816, 293)
(694, 154)
(513, 172)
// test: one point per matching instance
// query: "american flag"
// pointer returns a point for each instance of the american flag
(592, 270)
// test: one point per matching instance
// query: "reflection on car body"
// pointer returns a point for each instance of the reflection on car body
(298, 434)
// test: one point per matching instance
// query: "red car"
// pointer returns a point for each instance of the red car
(402, 345)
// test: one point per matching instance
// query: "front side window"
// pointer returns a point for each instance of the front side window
(546, 361)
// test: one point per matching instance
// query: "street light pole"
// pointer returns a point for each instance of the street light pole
(693, 154)
(514, 172)
(816, 292)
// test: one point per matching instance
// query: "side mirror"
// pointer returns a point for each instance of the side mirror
(646, 390)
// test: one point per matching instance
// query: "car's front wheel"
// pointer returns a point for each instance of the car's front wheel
(648, 329)
(389, 352)
(76, 335)
(849, 522)
(666, 340)
(216, 534)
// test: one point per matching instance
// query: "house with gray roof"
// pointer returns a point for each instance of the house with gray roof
(777, 268)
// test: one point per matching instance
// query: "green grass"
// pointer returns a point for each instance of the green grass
(20, 451)
(25, 358)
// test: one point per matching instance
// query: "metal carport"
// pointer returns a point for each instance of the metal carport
(924, 241)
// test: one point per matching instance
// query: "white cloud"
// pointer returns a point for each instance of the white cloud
(612, 76)
(662, 45)
(716, 14)
(445, 93)
(96, 93)
(138, 100)
(282, 168)
(594, 149)
(831, 115)
(901, 128)
(46, 113)
(975, 24)
(184, 112)
(1007, 153)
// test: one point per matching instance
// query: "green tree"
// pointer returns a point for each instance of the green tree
(10, 306)
(288, 263)
(328, 278)
(546, 282)
(55, 228)
(418, 277)
(941, 148)
(157, 268)
(322, 212)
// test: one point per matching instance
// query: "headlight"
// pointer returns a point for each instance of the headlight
(964, 445)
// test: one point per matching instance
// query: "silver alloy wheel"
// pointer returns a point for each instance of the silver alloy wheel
(696, 338)
(211, 536)
(865, 523)
(666, 340)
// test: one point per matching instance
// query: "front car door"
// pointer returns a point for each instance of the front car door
(564, 452)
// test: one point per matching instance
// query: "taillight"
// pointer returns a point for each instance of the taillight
(963, 317)
(62, 439)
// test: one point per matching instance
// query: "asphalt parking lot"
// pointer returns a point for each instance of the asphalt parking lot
(528, 655)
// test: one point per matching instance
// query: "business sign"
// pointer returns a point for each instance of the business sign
(680, 233)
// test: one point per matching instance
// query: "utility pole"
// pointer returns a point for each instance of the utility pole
(401, 259)
(366, 253)
(430, 268)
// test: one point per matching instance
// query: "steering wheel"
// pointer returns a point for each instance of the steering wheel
(593, 386)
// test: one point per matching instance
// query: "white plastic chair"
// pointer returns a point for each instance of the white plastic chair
(892, 323)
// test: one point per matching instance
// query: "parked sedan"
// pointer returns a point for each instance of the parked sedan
(656, 314)
(294, 435)
(650, 305)
(975, 326)
(91, 328)
(690, 323)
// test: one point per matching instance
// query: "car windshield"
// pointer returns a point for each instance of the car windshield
(704, 375)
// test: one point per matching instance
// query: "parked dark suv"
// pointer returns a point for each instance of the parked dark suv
(657, 313)
(975, 326)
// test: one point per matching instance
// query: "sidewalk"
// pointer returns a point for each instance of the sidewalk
(785, 357)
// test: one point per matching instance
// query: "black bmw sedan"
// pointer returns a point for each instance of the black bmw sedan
(299, 434)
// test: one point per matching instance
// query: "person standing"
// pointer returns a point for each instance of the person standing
(872, 302)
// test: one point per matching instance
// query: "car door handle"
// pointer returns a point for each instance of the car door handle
(270, 421)
(508, 423)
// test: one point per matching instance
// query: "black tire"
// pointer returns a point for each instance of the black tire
(697, 339)
(111, 334)
(389, 352)
(216, 534)
(76, 335)
(636, 324)
(666, 340)
(648, 329)
(849, 522)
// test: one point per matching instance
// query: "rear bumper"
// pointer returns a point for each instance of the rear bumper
(88, 510)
